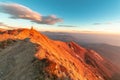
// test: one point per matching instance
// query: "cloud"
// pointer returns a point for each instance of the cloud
(18, 11)
(66, 26)
(97, 23)
(4, 25)
(52, 19)
(107, 23)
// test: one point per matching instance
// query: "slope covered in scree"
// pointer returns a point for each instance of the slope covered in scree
(17, 61)
(66, 61)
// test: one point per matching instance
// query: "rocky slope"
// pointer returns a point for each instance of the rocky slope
(64, 61)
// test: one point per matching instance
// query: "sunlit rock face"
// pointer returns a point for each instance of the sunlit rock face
(63, 60)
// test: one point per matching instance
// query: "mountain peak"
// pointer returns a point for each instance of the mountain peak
(65, 60)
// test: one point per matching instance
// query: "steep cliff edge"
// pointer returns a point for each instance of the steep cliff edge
(66, 61)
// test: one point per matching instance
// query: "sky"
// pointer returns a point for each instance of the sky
(62, 15)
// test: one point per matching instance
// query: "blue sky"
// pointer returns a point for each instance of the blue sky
(88, 15)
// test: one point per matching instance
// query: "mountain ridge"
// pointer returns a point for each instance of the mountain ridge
(65, 58)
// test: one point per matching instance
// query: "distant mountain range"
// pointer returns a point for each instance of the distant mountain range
(110, 52)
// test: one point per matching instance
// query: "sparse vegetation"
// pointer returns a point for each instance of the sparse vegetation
(43, 74)
(5, 43)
